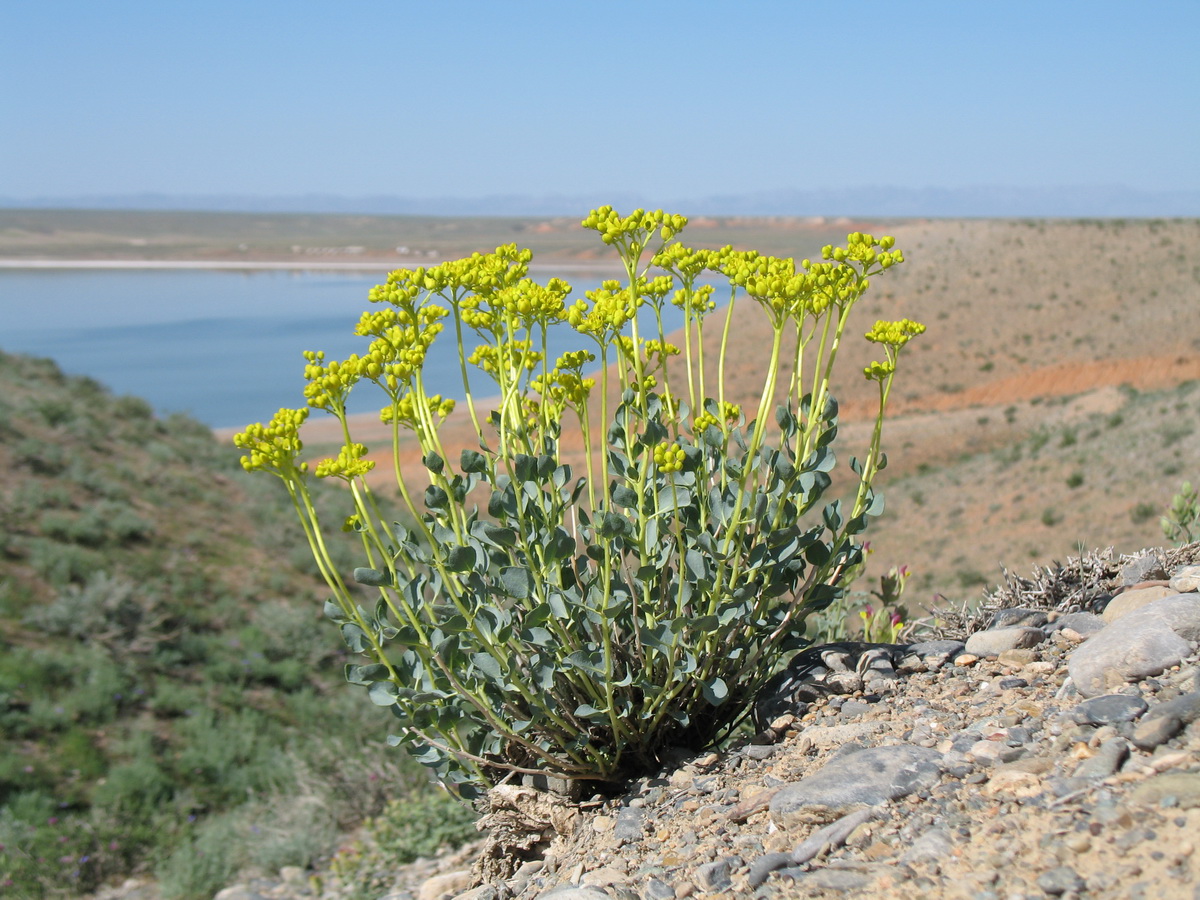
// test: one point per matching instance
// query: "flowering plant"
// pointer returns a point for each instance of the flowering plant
(582, 623)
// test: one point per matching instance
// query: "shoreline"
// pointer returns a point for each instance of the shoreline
(276, 265)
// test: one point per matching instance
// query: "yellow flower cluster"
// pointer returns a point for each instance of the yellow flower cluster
(510, 357)
(861, 248)
(634, 230)
(659, 350)
(275, 446)
(668, 457)
(404, 412)
(611, 309)
(565, 385)
(730, 412)
(895, 334)
(349, 464)
(479, 272)
(698, 301)
(563, 388)
(688, 263)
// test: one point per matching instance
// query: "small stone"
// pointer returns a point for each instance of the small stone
(629, 826)
(1152, 733)
(1108, 758)
(603, 877)
(993, 642)
(448, 884)
(933, 845)
(1144, 568)
(1014, 783)
(993, 752)
(1183, 786)
(1016, 658)
(571, 892)
(1186, 579)
(1018, 615)
(762, 867)
(1060, 880)
(759, 751)
(603, 824)
(1084, 624)
(1008, 684)
(715, 876)
(238, 892)
(1109, 709)
(966, 659)
(1186, 708)
(843, 880)
(658, 890)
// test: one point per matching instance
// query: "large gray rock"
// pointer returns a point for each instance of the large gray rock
(866, 778)
(1131, 601)
(1145, 642)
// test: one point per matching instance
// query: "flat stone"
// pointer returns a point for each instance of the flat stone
(866, 778)
(1184, 787)
(1185, 708)
(762, 867)
(715, 876)
(1125, 603)
(1084, 624)
(1018, 615)
(1155, 732)
(843, 880)
(1143, 568)
(946, 648)
(238, 892)
(1061, 880)
(995, 641)
(933, 845)
(1016, 658)
(603, 877)
(630, 822)
(658, 890)
(448, 884)
(1186, 579)
(1109, 709)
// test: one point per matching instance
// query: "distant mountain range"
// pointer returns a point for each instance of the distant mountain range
(879, 201)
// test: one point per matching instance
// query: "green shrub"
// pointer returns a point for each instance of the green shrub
(587, 624)
(1181, 524)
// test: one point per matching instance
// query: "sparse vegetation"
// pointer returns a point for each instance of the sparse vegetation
(159, 659)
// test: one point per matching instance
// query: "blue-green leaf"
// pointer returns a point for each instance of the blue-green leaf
(715, 691)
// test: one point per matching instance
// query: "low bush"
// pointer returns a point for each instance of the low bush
(590, 620)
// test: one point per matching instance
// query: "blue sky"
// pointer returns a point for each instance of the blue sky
(664, 99)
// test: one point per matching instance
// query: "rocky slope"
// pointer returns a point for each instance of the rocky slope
(1046, 746)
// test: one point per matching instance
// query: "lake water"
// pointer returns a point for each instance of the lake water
(223, 346)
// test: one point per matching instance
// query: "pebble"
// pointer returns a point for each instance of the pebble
(995, 642)
(1109, 709)
(1186, 579)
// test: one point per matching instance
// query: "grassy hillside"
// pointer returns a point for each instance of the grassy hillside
(170, 697)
